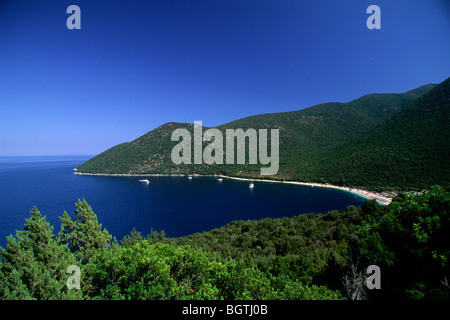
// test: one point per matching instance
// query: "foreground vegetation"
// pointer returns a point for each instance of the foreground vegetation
(304, 257)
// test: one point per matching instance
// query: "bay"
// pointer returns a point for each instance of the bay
(175, 204)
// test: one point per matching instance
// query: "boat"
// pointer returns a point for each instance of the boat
(220, 179)
(144, 181)
(189, 177)
(251, 185)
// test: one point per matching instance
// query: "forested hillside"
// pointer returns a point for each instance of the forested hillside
(376, 142)
(409, 150)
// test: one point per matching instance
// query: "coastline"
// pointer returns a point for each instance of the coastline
(381, 199)
(363, 193)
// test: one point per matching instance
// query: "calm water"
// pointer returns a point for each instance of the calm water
(177, 205)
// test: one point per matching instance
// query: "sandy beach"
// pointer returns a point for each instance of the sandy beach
(364, 193)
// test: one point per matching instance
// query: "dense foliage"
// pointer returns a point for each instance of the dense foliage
(410, 150)
(311, 256)
(377, 142)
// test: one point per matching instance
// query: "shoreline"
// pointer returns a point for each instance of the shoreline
(381, 199)
(363, 193)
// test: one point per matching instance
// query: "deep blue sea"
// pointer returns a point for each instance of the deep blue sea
(177, 205)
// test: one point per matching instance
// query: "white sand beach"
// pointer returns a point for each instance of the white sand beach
(366, 194)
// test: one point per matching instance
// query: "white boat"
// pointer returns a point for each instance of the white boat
(189, 177)
(251, 185)
(144, 181)
(220, 179)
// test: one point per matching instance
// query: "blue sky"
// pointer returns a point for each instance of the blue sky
(136, 65)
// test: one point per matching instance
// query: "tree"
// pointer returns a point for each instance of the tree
(131, 239)
(410, 244)
(33, 265)
(84, 235)
(417, 228)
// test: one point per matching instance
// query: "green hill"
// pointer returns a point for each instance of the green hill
(409, 150)
(309, 140)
